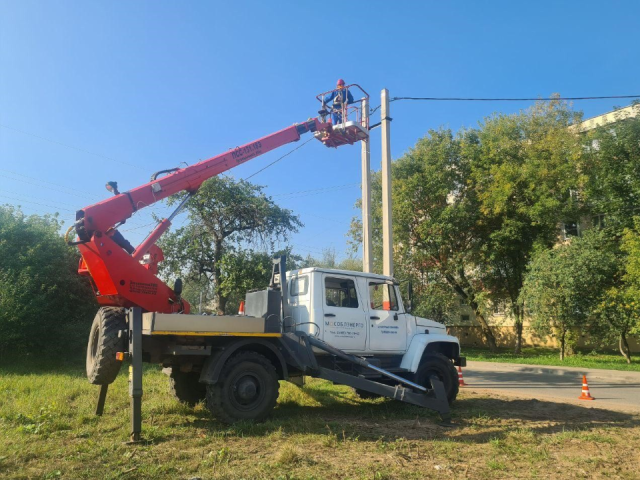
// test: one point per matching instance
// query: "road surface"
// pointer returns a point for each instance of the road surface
(613, 389)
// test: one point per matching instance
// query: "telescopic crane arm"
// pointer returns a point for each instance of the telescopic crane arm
(125, 276)
(104, 215)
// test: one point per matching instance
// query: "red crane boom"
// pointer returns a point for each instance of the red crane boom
(122, 275)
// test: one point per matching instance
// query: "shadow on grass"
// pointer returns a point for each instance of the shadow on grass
(70, 368)
(479, 420)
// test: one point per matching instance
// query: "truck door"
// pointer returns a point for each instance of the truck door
(344, 316)
(387, 329)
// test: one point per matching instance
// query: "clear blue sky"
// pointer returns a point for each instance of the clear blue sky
(122, 89)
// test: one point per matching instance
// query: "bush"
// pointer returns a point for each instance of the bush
(45, 306)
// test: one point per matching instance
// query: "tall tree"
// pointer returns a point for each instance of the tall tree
(224, 215)
(565, 285)
(619, 310)
(523, 168)
(436, 218)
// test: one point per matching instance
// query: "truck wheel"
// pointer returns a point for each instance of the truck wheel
(440, 366)
(186, 387)
(247, 389)
(104, 342)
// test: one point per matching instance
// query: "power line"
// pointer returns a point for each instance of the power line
(70, 146)
(73, 192)
(505, 99)
(36, 203)
(277, 160)
(318, 190)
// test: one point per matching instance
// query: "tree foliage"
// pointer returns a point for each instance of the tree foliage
(610, 167)
(565, 285)
(213, 250)
(45, 306)
(471, 209)
(523, 168)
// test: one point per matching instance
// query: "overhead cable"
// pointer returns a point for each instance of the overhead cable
(278, 159)
(505, 99)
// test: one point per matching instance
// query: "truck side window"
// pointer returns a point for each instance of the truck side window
(382, 296)
(340, 292)
(299, 286)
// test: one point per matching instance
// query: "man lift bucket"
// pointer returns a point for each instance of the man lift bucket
(348, 124)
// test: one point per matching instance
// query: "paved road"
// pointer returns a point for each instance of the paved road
(611, 389)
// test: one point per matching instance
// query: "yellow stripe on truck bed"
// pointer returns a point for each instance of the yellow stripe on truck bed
(215, 334)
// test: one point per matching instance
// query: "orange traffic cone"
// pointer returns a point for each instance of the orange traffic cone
(460, 379)
(585, 390)
(241, 309)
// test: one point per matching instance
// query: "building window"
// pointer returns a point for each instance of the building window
(498, 307)
(464, 318)
(463, 302)
(570, 229)
(598, 221)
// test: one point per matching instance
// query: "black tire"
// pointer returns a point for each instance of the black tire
(186, 387)
(104, 342)
(442, 367)
(248, 389)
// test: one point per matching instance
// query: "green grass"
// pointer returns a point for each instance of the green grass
(546, 356)
(48, 430)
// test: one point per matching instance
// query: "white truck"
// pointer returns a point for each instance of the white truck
(363, 314)
(351, 328)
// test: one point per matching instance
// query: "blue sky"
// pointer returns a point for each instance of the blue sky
(97, 91)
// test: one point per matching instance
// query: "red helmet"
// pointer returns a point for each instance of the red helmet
(340, 82)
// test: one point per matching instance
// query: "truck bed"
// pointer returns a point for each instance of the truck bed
(204, 325)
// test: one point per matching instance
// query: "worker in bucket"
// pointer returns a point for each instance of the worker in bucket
(340, 97)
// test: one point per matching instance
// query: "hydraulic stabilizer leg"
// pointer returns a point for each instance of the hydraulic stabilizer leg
(135, 372)
(102, 396)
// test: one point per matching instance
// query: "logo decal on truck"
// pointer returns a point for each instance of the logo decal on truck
(145, 288)
(344, 329)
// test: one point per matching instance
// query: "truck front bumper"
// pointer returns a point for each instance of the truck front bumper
(460, 361)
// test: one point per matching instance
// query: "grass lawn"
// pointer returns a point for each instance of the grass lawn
(546, 356)
(48, 430)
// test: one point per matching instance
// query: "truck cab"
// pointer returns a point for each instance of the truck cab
(364, 314)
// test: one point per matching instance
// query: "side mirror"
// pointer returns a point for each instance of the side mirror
(409, 305)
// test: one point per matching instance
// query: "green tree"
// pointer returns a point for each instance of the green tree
(224, 215)
(619, 309)
(436, 216)
(523, 168)
(611, 173)
(565, 285)
(45, 306)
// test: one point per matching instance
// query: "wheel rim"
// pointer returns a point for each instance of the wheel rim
(247, 391)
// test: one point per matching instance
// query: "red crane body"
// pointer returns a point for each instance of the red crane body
(126, 277)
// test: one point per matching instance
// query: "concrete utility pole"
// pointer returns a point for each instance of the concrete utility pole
(366, 193)
(387, 233)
